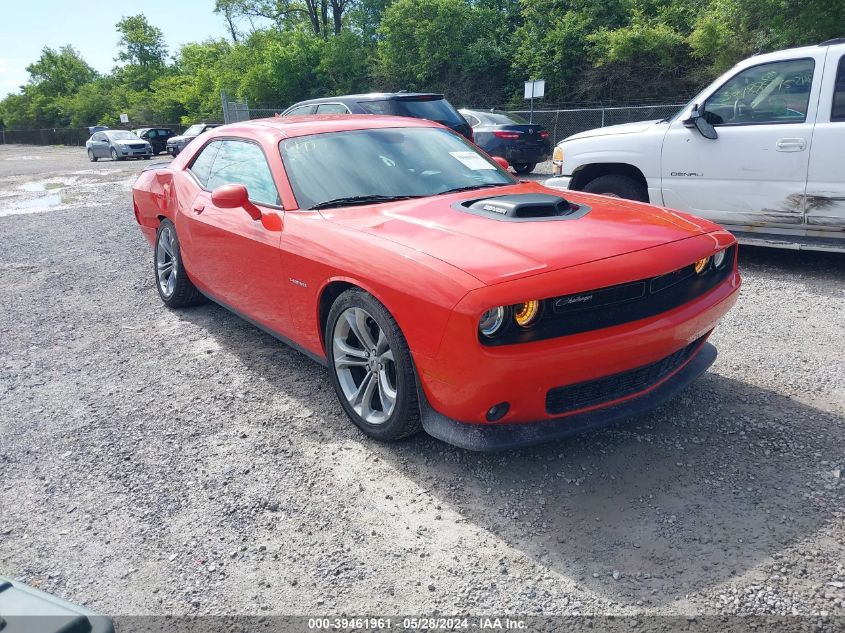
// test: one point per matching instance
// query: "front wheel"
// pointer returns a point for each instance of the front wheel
(114, 155)
(174, 287)
(524, 168)
(371, 368)
(617, 186)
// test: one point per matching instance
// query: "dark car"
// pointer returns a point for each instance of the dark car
(176, 144)
(419, 105)
(156, 136)
(511, 137)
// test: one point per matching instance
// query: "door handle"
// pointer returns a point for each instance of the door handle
(791, 144)
(199, 208)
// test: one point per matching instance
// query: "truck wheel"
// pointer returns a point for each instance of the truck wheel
(618, 186)
(524, 168)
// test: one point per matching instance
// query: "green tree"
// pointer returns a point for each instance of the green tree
(60, 73)
(141, 43)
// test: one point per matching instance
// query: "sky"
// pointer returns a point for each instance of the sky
(27, 26)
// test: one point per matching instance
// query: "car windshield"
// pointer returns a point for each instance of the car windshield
(122, 135)
(503, 118)
(386, 163)
(194, 130)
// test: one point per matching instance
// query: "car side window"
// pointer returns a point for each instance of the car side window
(332, 108)
(99, 137)
(301, 111)
(201, 167)
(375, 107)
(150, 134)
(777, 92)
(837, 112)
(242, 162)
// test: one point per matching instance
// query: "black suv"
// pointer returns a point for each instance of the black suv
(419, 105)
(156, 136)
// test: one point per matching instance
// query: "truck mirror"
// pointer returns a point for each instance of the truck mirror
(701, 124)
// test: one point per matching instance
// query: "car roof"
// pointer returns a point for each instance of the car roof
(370, 96)
(293, 126)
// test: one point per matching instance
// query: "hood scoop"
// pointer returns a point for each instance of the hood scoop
(525, 207)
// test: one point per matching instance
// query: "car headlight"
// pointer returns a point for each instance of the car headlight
(701, 265)
(557, 161)
(719, 258)
(492, 322)
(526, 313)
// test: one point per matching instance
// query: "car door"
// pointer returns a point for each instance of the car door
(755, 172)
(825, 200)
(100, 145)
(236, 259)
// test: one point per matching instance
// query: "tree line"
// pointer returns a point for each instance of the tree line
(477, 52)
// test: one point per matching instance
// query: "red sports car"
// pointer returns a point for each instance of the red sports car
(441, 292)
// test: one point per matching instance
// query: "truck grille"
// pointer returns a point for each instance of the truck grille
(562, 400)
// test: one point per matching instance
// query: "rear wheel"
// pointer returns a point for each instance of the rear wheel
(524, 168)
(370, 367)
(91, 156)
(618, 186)
(174, 287)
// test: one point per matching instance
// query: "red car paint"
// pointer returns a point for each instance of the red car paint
(437, 270)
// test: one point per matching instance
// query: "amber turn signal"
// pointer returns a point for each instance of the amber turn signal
(526, 313)
(701, 265)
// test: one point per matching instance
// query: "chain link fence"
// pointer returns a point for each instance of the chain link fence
(561, 123)
(74, 136)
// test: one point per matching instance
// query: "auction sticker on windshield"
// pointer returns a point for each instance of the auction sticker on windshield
(472, 160)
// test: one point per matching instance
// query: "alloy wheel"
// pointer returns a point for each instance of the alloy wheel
(365, 366)
(167, 264)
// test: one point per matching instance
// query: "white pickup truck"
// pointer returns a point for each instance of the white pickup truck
(761, 151)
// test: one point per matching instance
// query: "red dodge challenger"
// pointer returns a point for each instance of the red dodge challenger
(441, 292)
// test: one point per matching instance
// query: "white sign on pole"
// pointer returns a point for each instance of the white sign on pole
(536, 88)
(124, 118)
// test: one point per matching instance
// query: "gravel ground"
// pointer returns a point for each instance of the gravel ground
(183, 462)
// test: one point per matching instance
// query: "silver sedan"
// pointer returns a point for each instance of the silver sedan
(117, 145)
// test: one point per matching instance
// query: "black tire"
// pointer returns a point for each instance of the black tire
(524, 168)
(147, 157)
(619, 186)
(184, 293)
(114, 155)
(405, 418)
(91, 156)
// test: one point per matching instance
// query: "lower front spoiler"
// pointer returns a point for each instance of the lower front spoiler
(496, 437)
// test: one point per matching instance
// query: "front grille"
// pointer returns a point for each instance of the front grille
(562, 400)
(137, 146)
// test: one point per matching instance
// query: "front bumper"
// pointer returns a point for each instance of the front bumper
(495, 437)
(559, 182)
(465, 379)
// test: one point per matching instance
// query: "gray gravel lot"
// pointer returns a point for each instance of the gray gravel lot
(156, 461)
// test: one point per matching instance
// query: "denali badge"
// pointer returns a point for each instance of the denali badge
(565, 301)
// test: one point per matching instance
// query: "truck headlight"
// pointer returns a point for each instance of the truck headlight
(557, 161)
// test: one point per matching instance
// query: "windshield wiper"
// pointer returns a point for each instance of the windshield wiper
(355, 200)
(471, 187)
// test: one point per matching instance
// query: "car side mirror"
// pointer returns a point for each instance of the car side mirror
(501, 162)
(235, 196)
(701, 124)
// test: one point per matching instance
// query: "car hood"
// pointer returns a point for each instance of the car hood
(624, 128)
(494, 251)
